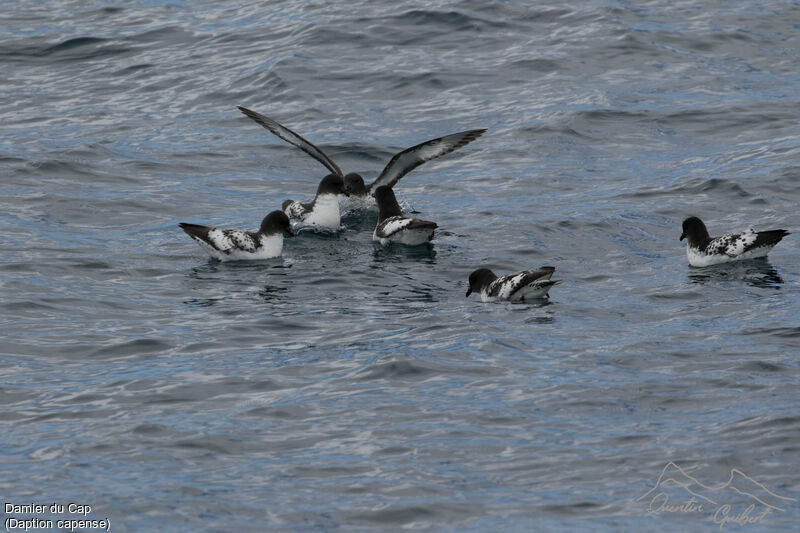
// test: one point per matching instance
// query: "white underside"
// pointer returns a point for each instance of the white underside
(700, 259)
(325, 215)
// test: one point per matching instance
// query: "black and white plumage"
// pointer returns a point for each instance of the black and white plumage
(703, 250)
(401, 163)
(519, 287)
(292, 138)
(393, 227)
(234, 244)
(323, 211)
(404, 162)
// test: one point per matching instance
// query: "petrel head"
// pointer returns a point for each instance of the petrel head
(480, 279)
(332, 184)
(354, 184)
(276, 223)
(695, 231)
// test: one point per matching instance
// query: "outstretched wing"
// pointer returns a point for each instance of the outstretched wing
(292, 138)
(404, 162)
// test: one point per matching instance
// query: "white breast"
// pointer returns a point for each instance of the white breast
(701, 259)
(325, 214)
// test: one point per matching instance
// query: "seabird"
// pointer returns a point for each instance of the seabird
(323, 211)
(394, 227)
(234, 244)
(703, 250)
(401, 163)
(519, 287)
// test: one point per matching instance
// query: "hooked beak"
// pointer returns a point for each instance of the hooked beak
(683, 236)
(469, 291)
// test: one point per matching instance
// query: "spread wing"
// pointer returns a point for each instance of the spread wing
(293, 138)
(506, 286)
(404, 162)
(392, 225)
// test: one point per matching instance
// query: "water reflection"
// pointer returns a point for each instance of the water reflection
(542, 314)
(201, 302)
(209, 267)
(395, 253)
(271, 293)
(214, 266)
(755, 272)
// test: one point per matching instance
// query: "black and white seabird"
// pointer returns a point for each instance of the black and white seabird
(401, 163)
(703, 250)
(519, 287)
(394, 227)
(323, 211)
(234, 244)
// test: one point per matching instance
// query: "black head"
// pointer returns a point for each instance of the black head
(332, 184)
(354, 184)
(275, 223)
(695, 231)
(479, 279)
(387, 203)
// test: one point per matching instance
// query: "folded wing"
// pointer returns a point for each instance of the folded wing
(224, 241)
(507, 286)
(393, 225)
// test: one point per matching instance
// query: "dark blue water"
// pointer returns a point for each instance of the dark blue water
(349, 387)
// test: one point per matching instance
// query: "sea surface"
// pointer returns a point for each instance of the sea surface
(348, 387)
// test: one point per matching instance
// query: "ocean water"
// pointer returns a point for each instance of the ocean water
(349, 387)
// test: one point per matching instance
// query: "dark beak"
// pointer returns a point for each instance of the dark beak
(345, 192)
(683, 236)
(469, 291)
(289, 232)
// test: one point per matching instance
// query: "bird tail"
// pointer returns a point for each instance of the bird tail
(769, 238)
(195, 231)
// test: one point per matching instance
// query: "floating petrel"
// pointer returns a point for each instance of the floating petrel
(234, 244)
(703, 250)
(322, 212)
(519, 287)
(393, 227)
